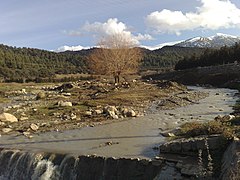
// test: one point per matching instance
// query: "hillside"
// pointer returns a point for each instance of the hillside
(168, 56)
(20, 64)
(211, 57)
(28, 63)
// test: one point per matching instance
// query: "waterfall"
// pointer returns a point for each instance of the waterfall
(24, 165)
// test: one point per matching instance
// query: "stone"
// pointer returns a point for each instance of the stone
(88, 113)
(34, 127)
(131, 113)
(6, 130)
(167, 134)
(128, 112)
(64, 104)
(228, 117)
(41, 95)
(73, 116)
(23, 118)
(98, 111)
(112, 114)
(111, 111)
(6, 117)
(23, 91)
(190, 170)
(26, 133)
(110, 108)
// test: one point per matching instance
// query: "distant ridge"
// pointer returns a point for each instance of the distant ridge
(217, 41)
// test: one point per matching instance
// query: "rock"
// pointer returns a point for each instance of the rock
(64, 87)
(88, 113)
(224, 118)
(98, 111)
(190, 170)
(66, 94)
(110, 108)
(73, 116)
(41, 95)
(26, 133)
(34, 127)
(128, 112)
(6, 130)
(112, 114)
(23, 118)
(111, 111)
(2, 123)
(131, 113)
(23, 91)
(167, 134)
(228, 117)
(6, 117)
(64, 104)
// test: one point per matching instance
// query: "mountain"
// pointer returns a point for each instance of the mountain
(159, 46)
(217, 41)
(71, 48)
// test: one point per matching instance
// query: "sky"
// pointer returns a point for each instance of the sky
(76, 24)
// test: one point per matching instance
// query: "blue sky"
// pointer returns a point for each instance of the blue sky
(50, 24)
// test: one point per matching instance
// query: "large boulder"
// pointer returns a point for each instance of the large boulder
(6, 117)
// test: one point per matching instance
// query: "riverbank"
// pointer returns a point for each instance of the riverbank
(58, 107)
(136, 137)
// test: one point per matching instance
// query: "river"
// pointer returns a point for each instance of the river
(130, 138)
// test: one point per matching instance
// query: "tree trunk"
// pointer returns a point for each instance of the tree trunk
(116, 79)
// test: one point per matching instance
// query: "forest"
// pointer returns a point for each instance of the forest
(211, 57)
(29, 64)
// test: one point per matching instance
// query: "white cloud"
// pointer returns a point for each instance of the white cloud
(111, 27)
(212, 14)
(70, 48)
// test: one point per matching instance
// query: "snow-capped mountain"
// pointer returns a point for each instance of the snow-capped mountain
(217, 41)
(71, 48)
(159, 46)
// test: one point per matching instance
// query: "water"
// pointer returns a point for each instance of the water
(22, 165)
(130, 138)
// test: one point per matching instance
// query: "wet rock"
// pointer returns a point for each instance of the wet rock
(34, 127)
(6, 130)
(190, 170)
(64, 104)
(6, 117)
(190, 146)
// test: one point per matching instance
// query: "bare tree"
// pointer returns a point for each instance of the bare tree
(116, 55)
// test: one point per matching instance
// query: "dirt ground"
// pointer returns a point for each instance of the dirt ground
(72, 105)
